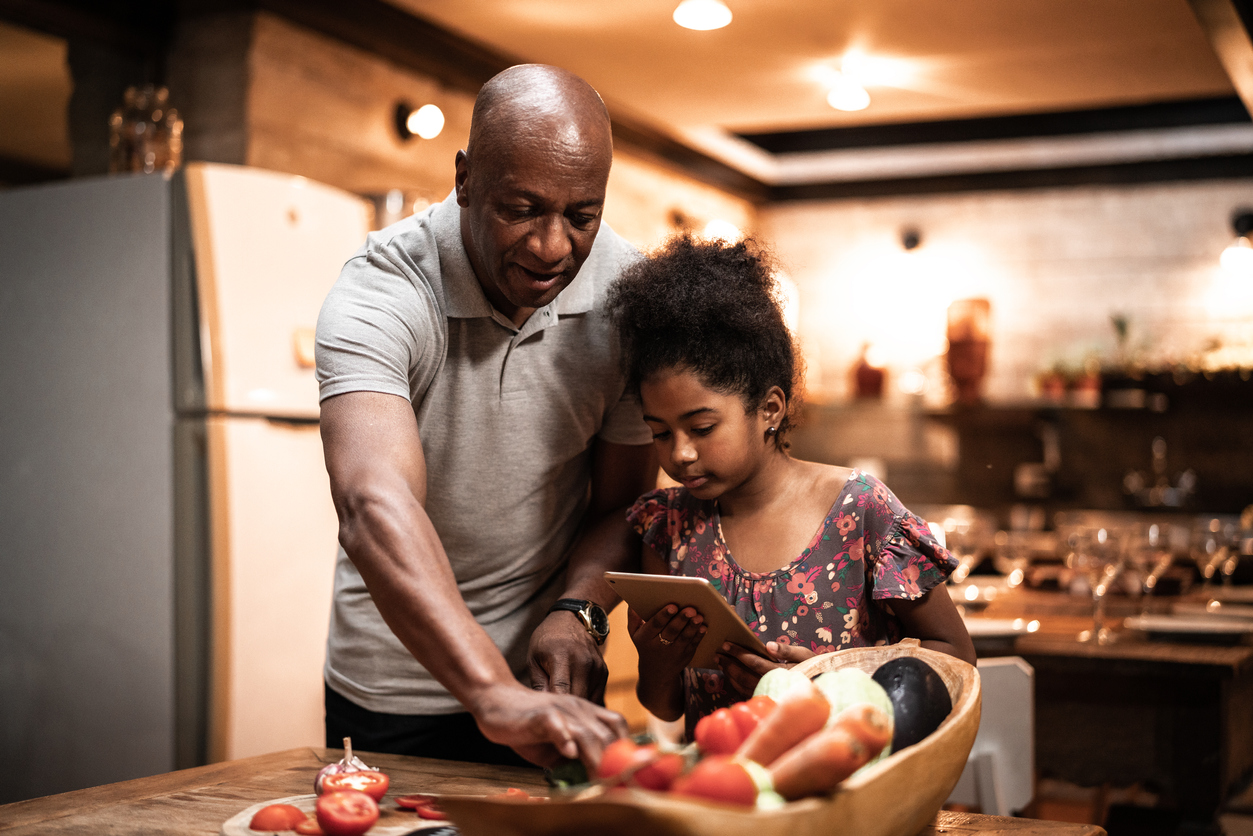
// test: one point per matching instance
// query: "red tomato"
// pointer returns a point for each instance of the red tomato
(370, 782)
(346, 812)
(718, 778)
(661, 773)
(309, 827)
(749, 713)
(718, 734)
(275, 817)
(623, 753)
(517, 795)
(426, 806)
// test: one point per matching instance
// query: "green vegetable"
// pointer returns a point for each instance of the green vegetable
(777, 682)
(567, 774)
(767, 798)
(847, 687)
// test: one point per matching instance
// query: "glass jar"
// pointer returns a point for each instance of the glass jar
(145, 133)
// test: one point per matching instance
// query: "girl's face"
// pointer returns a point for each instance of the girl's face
(705, 439)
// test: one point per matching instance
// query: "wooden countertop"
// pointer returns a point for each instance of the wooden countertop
(1062, 616)
(197, 801)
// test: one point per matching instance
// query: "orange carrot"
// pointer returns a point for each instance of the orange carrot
(800, 712)
(868, 723)
(819, 764)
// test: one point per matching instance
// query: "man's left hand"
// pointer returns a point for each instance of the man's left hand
(565, 659)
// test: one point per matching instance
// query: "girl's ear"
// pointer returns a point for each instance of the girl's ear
(774, 408)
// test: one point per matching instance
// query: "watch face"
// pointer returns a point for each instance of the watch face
(600, 621)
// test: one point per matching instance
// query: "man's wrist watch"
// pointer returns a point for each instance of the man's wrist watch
(591, 614)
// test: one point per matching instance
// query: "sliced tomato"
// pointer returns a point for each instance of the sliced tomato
(275, 817)
(371, 782)
(515, 794)
(346, 812)
(661, 773)
(426, 806)
(623, 754)
(309, 827)
(718, 733)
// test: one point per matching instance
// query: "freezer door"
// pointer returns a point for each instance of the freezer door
(267, 249)
(273, 545)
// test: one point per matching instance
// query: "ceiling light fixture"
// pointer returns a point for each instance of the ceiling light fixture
(846, 94)
(1238, 257)
(425, 122)
(702, 15)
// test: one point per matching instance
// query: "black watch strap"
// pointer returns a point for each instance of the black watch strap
(590, 613)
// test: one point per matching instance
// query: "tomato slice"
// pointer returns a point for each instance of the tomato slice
(426, 806)
(346, 812)
(623, 754)
(369, 781)
(275, 817)
(515, 794)
(309, 827)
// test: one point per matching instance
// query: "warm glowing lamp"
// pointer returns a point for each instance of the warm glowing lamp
(846, 94)
(702, 15)
(1238, 257)
(723, 230)
(425, 122)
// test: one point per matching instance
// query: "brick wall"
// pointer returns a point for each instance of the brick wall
(1056, 264)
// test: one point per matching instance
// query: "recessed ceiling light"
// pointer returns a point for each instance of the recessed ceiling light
(846, 94)
(702, 14)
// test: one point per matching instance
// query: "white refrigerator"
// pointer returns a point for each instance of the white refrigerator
(167, 538)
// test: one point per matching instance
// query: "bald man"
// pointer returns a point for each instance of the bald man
(481, 447)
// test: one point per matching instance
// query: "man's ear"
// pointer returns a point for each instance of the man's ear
(462, 165)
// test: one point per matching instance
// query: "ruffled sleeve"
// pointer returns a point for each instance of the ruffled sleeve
(650, 517)
(906, 559)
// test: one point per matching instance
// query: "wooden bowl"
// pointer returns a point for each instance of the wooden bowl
(897, 796)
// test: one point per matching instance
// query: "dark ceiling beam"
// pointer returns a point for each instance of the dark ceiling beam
(1227, 25)
(1148, 171)
(136, 27)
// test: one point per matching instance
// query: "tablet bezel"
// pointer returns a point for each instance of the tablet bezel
(647, 594)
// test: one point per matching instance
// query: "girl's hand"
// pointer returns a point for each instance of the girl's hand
(743, 668)
(669, 639)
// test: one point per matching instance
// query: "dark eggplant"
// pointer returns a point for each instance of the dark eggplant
(920, 702)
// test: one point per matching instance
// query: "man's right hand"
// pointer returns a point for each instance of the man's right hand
(545, 727)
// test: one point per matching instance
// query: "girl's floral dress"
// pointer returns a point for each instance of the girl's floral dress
(868, 550)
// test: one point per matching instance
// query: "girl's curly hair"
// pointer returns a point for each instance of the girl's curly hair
(715, 309)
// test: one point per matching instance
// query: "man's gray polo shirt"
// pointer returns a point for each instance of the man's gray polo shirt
(506, 417)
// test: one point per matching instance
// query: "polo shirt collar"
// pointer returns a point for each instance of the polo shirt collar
(463, 295)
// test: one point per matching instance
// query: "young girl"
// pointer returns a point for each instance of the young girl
(814, 557)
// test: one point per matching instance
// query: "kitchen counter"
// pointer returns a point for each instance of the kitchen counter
(1174, 717)
(197, 801)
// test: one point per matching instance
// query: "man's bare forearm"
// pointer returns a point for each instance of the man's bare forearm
(392, 543)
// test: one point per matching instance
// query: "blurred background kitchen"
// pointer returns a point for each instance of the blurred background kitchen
(1013, 237)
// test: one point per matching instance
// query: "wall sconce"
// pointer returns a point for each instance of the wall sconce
(425, 122)
(1238, 257)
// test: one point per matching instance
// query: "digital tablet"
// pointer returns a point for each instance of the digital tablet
(646, 594)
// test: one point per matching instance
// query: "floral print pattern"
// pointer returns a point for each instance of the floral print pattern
(868, 550)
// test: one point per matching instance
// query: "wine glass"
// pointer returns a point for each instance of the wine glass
(1098, 555)
(960, 541)
(1013, 556)
(1150, 554)
(1210, 548)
